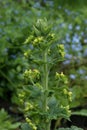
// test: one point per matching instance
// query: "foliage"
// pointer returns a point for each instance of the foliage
(8, 124)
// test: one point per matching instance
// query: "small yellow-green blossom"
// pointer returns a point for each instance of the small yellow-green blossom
(36, 73)
(52, 35)
(21, 95)
(70, 99)
(62, 53)
(32, 74)
(37, 40)
(31, 124)
(62, 75)
(27, 53)
(57, 75)
(61, 46)
(27, 73)
(64, 78)
(70, 93)
(61, 50)
(28, 106)
(70, 96)
(67, 108)
(34, 127)
(65, 91)
(28, 120)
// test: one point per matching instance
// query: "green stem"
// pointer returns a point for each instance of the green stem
(45, 80)
(45, 85)
(48, 125)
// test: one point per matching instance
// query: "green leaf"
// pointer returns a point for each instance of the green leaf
(82, 112)
(72, 128)
(5, 121)
(14, 126)
(25, 126)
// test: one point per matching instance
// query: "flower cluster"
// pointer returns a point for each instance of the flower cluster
(51, 36)
(28, 106)
(38, 40)
(31, 124)
(21, 96)
(31, 74)
(62, 77)
(61, 50)
(68, 93)
(67, 108)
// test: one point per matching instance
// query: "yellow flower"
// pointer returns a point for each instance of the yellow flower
(31, 124)
(37, 40)
(61, 50)
(57, 75)
(62, 75)
(26, 54)
(36, 71)
(69, 93)
(65, 91)
(34, 127)
(28, 120)
(52, 35)
(70, 99)
(61, 46)
(40, 39)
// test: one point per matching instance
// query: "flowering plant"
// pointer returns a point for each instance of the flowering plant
(44, 95)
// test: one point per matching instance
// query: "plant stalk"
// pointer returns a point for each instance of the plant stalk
(45, 80)
(45, 85)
